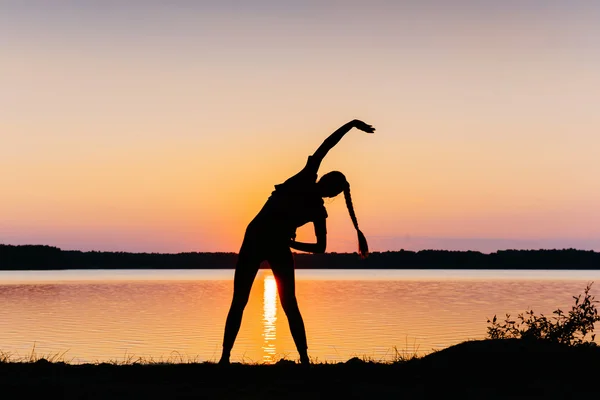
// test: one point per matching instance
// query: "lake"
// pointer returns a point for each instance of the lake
(179, 315)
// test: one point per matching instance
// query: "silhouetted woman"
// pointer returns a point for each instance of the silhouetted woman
(272, 232)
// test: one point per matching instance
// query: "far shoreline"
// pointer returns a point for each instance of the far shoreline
(42, 257)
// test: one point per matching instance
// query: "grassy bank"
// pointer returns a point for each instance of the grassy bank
(500, 368)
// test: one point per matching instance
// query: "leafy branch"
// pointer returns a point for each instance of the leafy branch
(573, 328)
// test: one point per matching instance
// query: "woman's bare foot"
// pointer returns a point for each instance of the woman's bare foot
(224, 358)
(304, 360)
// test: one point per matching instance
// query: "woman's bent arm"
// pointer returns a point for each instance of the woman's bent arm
(320, 233)
(308, 247)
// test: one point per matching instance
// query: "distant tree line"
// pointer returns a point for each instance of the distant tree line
(34, 257)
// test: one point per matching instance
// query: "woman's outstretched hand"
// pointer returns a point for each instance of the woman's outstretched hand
(358, 124)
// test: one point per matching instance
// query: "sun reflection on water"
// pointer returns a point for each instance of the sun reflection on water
(269, 319)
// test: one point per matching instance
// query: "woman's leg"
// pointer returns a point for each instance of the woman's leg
(283, 269)
(245, 272)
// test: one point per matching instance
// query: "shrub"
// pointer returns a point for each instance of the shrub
(573, 328)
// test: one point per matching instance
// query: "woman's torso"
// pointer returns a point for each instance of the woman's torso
(292, 204)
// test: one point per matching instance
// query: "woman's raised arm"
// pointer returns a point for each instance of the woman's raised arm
(336, 136)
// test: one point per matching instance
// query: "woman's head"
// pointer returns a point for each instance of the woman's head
(330, 185)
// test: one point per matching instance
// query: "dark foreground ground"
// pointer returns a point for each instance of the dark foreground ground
(478, 369)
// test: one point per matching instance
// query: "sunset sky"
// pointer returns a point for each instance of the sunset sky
(163, 126)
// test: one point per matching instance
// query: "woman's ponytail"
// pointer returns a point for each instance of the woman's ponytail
(363, 247)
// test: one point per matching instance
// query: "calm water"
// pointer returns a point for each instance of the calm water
(179, 314)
